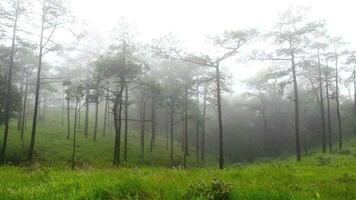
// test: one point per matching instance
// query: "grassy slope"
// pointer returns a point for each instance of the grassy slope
(316, 177)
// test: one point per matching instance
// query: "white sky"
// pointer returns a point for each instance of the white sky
(193, 20)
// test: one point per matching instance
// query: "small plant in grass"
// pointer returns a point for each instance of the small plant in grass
(346, 178)
(324, 160)
(214, 189)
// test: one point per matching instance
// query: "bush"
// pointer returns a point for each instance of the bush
(346, 178)
(324, 160)
(214, 189)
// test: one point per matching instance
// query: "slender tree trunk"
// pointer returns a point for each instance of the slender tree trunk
(197, 146)
(221, 133)
(74, 134)
(24, 109)
(167, 130)
(126, 120)
(9, 86)
(86, 120)
(114, 110)
(171, 126)
(203, 125)
(338, 103)
(322, 114)
(328, 110)
(62, 110)
(143, 116)
(96, 117)
(185, 128)
(68, 118)
(37, 92)
(153, 122)
(106, 113)
(354, 77)
(296, 110)
(119, 127)
(19, 113)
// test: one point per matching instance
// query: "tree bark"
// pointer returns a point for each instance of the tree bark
(106, 113)
(24, 109)
(68, 118)
(153, 122)
(322, 114)
(328, 110)
(354, 77)
(197, 146)
(338, 103)
(86, 120)
(296, 109)
(221, 133)
(203, 125)
(37, 92)
(126, 121)
(96, 117)
(171, 126)
(74, 134)
(143, 116)
(185, 128)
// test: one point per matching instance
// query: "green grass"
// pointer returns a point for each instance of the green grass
(285, 179)
(318, 176)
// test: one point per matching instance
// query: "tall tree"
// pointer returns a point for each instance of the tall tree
(12, 15)
(52, 17)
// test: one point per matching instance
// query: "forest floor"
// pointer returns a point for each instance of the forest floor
(317, 176)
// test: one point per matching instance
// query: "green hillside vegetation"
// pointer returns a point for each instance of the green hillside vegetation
(316, 177)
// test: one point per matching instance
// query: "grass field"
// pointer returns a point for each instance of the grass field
(318, 176)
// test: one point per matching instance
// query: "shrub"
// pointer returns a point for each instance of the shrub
(346, 178)
(324, 160)
(214, 189)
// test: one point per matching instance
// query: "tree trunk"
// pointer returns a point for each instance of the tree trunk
(354, 77)
(68, 118)
(96, 117)
(221, 133)
(117, 124)
(24, 109)
(106, 113)
(296, 110)
(328, 109)
(119, 127)
(322, 114)
(203, 125)
(19, 113)
(197, 146)
(74, 134)
(126, 121)
(185, 128)
(153, 122)
(8, 85)
(143, 116)
(37, 92)
(171, 126)
(86, 120)
(338, 103)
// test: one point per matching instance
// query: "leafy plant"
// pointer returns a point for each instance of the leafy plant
(214, 189)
